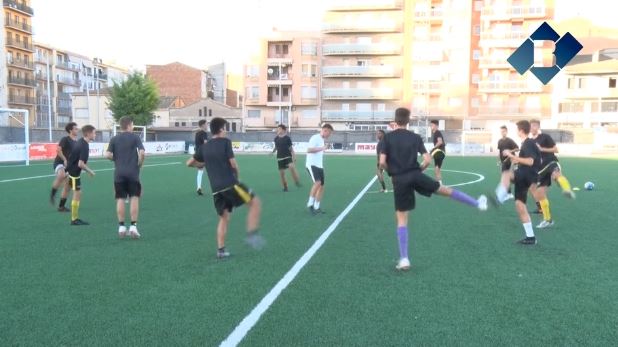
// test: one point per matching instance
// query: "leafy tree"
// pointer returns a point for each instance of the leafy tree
(137, 97)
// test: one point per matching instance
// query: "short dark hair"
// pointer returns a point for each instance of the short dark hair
(535, 121)
(125, 121)
(524, 126)
(503, 127)
(435, 122)
(87, 129)
(216, 125)
(402, 116)
(70, 126)
(282, 126)
(201, 122)
(382, 132)
(328, 126)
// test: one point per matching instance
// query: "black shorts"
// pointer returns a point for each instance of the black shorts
(546, 172)
(405, 185)
(234, 196)
(284, 163)
(75, 182)
(438, 157)
(317, 174)
(523, 180)
(128, 189)
(506, 165)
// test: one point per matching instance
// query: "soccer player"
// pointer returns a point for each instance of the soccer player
(63, 151)
(506, 144)
(285, 156)
(217, 156)
(438, 153)
(77, 162)
(525, 178)
(315, 167)
(201, 136)
(380, 172)
(549, 171)
(127, 152)
(399, 158)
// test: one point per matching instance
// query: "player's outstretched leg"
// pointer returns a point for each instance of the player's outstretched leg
(295, 175)
(459, 196)
(402, 239)
(254, 239)
(564, 184)
(539, 194)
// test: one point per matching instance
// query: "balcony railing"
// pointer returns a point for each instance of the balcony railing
(338, 115)
(67, 66)
(21, 100)
(390, 26)
(20, 44)
(358, 94)
(18, 6)
(433, 14)
(345, 5)
(22, 81)
(507, 86)
(360, 49)
(102, 76)
(64, 110)
(11, 23)
(21, 64)
(515, 12)
(71, 81)
(283, 77)
(359, 71)
(505, 110)
(426, 85)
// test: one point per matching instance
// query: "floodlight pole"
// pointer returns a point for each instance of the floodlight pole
(49, 96)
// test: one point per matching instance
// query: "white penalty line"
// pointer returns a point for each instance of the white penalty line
(250, 320)
(479, 179)
(109, 169)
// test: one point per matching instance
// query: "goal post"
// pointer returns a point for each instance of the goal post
(16, 118)
(139, 130)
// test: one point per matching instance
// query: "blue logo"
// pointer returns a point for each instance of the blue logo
(567, 47)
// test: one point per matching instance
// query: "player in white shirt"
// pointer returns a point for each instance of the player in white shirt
(315, 167)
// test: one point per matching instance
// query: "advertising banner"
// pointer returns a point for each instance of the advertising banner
(42, 151)
(13, 152)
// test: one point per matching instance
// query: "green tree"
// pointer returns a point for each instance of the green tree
(137, 97)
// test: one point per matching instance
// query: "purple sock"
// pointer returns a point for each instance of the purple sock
(402, 235)
(464, 198)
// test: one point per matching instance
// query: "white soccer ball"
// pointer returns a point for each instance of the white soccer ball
(589, 185)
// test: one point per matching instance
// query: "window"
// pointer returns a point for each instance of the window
(310, 70)
(205, 111)
(286, 91)
(477, 30)
(200, 112)
(309, 92)
(309, 48)
(176, 124)
(285, 49)
(253, 92)
(210, 113)
(310, 113)
(612, 82)
(194, 124)
(476, 54)
(253, 71)
(254, 113)
(184, 124)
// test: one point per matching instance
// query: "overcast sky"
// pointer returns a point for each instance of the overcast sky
(198, 32)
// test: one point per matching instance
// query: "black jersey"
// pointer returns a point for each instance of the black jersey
(438, 135)
(81, 151)
(530, 150)
(125, 147)
(216, 155)
(66, 144)
(283, 145)
(504, 144)
(545, 141)
(401, 148)
(200, 138)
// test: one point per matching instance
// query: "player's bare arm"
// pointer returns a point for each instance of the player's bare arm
(383, 165)
(109, 155)
(235, 168)
(61, 155)
(141, 156)
(426, 161)
(194, 163)
(85, 167)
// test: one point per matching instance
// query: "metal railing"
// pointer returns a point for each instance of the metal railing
(360, 27)
(358, 48)
(339, 115)
(22, 100)
(358, 93)
(71, 81)
(360, 71)
(18, 6)
(22, 81)
(18, 25)
(67, 66)
(20, 44)
(21, 63)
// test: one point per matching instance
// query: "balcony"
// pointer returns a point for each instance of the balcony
(65, 65)
(20, 45)
(13, 24)
(358, 94)
(40, 75)
(514, 12)
(22, 64)
(360, 71)
(339, 115)
(18, 7)
(65, 110)
(69, 81)
(426, 86)
(383, 26)
(20, 81)
(361, 49)
(503, 39)
(510, 86)
(435, 14)
(365, 5)
(279, 59)
(102, 76)
(511, 111)
(279, 79)
(275, 101)
(21, 100)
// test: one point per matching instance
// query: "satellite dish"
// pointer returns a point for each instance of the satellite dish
(270, 71)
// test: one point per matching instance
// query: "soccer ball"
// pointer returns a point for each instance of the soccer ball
(589, 186)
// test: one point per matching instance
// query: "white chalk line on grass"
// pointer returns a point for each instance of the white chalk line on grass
(479, 179)
(252, 318)
(49, 162)
(99, 170)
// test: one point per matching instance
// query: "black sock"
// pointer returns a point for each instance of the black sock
(509, 190)
(54, 191)
(63, 202)
(383, 185)
(121, 224)
(253, 232)
(538, 205)
(221, 250)
(133, 223)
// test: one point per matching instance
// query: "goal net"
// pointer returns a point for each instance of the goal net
(14, 136)
(138, 130)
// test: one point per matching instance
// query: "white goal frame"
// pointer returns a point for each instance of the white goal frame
(135, 127)
(26, 125)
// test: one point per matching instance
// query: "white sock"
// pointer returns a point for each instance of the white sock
(528, 229)
(200, 173)
(311, 201)
(316, 205)
(501, 193)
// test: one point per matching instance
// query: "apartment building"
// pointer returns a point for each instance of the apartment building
(181, 80)
(283, 82)
(363, 68)
(17, 84)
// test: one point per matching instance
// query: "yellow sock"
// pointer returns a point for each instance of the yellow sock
(74, 210)
(545, 209)
(564, 183)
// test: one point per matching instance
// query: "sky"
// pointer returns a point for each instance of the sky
(134, 33)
